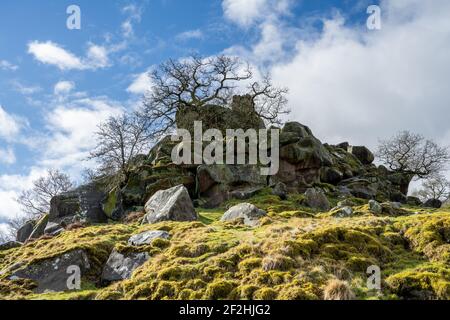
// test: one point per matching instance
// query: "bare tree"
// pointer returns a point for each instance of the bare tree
(119, 140)
(36, 201)
(197, 82)
(435, 187)
(412, 155)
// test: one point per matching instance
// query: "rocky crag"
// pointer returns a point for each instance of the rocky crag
(224, 231)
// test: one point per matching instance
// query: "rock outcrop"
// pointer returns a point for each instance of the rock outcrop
(173, 204)
(249, 213)
(54, 274)
(121, 266)
(84, 202)
(147, 237)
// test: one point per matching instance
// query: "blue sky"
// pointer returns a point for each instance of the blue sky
(346, 82)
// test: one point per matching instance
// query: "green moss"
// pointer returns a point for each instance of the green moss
(265, 294)
(220, 289)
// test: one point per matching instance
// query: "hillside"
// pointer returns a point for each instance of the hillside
(293, 254)
(312, 231)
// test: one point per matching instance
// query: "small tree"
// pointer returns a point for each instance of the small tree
(36, 201)
(435, 187)
(196, 82)
(413, 156)
(119, 140)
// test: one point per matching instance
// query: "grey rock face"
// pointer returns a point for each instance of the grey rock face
(375, 207)
(54, 274)
(147, 237)
(344, 212)
(53, 229)
(85, 200)
(363, 154)
(433, 203)
(173, 204)
(121, 266)
(218, 183)
(316, 199)
(246, 211)
(25, 231)
(280, 189)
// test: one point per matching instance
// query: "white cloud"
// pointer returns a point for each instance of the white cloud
(53, 54)
(97, 57)
(189, 35)
(7, 156)
(63, 87)
(134, 15)
(24, 89)
(247, 12)
(348, 83)
(141, 84)
(10, 125)
(6, 65)
(71, 129)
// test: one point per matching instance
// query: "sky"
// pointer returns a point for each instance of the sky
(346, 82)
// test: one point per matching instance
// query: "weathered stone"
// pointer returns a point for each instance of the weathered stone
(375, 207)
(85, 200)
(331, 175)
(9, 245)
(280, 190)
(363, 154)
(346, 203)
(173, 204)
(246, 193)
(121, 266)
(343, 212)
(39, 228)
(315, 198)
(217, 182)
(413, 201)
(25, 231)
(246, 211)
(433, 203)
(147, 237)
(53, 228)
(53, 274)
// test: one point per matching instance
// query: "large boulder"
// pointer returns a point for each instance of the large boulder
(85, 201)
(433, 203)
(362, 153)
(121, 266)
(315, 198)
(280, 190)
(218, 183)
(25, 231)
(173, 204)
(54, 274)
(147, 237)
(301, 157)
(375, 207)
(246, 211)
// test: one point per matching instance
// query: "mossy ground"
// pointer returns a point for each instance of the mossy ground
(293, 254)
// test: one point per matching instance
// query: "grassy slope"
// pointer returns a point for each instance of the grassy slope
(292, 255)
